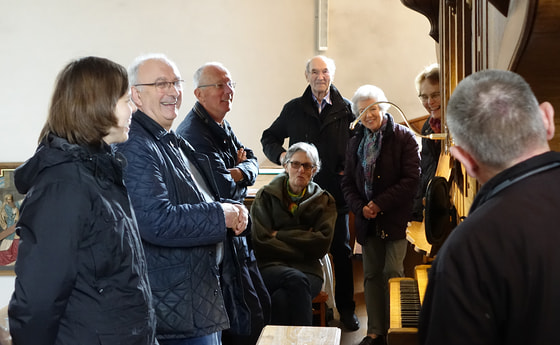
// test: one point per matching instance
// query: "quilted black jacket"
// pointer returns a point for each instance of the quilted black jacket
(81, 273)
(178, 229)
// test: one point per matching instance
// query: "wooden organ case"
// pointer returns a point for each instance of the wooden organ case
(471, 35)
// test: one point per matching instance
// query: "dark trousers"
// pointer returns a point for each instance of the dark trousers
(342, 262)
(291, 292)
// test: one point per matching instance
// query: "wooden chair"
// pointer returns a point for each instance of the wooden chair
(320, 307)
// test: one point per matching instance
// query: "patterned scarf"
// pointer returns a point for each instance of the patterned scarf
(294, 198)
(368, 152)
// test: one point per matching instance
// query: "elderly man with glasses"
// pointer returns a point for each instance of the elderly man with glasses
(182, 220)
(234, 167)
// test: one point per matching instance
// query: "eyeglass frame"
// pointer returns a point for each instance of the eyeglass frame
(230, 84)
(306, 166)
(433, 95)
(167, 84)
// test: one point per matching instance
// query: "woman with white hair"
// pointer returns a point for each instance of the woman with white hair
(380, 180)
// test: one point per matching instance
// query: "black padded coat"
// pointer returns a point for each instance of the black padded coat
(81, 270)
(179, 230)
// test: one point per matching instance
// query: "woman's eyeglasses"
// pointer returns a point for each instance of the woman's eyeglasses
(306, 166)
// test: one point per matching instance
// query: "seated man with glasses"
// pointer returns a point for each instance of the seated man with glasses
(293, 226)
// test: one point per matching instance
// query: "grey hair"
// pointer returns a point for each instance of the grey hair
(495, 116)
(430, 73)
(198, 74)
(309, 149)
(366, 92)
(330, 65)
(138, 61)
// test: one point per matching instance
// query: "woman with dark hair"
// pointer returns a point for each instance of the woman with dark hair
(80, 273)
(293, 226)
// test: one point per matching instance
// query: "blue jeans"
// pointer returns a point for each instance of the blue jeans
(210, 339)
(291, 292)
(382, 260)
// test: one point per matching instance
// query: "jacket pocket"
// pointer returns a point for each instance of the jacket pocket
(172, 299)
(165, 278)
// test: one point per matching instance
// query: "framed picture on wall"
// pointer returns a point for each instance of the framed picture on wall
(10, 203)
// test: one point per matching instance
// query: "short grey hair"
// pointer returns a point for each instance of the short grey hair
(495, 117)
(138, 61)
(330, 65)
(309, 149)
(366, 92)
(198, 73)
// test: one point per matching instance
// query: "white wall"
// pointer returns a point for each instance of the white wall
(264, 43)
(6, 289)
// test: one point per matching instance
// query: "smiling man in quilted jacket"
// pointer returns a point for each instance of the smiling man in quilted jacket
(182, 221)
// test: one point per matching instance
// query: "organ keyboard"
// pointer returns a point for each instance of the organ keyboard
(405, 299)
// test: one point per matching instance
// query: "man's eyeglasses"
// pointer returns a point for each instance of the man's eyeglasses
(230, 84)
(306, 166)
(164, 85)
(434, 96)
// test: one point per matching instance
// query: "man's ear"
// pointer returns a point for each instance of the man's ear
(198, 93)
(470, 164)
(307, 76)
(547, 112)
(136, 97)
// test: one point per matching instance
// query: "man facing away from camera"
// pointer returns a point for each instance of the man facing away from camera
(496, 278)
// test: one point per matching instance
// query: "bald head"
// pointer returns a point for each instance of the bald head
(214, 89)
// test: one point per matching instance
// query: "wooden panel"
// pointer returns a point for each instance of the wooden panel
(538, 63)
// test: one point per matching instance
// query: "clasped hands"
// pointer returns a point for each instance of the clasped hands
(371, 210)
(236, 216)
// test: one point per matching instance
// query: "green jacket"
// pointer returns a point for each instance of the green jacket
(303, 238)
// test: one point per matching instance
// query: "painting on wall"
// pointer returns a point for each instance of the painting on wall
(10, 203)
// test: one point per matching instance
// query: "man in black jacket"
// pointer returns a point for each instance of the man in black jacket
(234, 167)
(321, 116)
(496, 278)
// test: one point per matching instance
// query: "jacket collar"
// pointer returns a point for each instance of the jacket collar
(222, 131)
(202, 114)
(338, 102)
(149, 125)
(102, 161)
(510, 176)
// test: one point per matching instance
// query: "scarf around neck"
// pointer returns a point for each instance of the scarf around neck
(368, 152)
